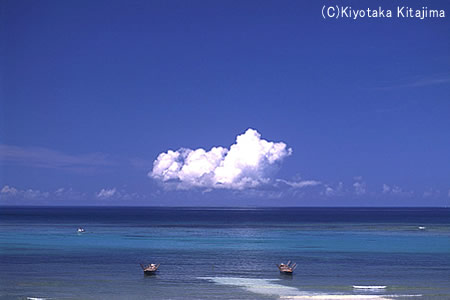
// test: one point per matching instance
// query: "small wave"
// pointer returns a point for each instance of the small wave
(271, 288)
(258, 286)
(347, 297)
(403, 296)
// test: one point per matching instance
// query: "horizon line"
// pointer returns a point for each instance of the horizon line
(213, 207)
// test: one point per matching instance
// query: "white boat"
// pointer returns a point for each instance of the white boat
(287, 268)
(150, 269)
(369, 287)
(81, 230)
(422, 227)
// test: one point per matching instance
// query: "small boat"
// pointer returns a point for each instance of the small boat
(287, 268)
(81, 230)
(422, 228)
(369, 287)
(150, 269)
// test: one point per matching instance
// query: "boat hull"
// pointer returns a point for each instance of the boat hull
(150, 272)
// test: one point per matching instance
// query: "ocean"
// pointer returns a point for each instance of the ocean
(229, 253)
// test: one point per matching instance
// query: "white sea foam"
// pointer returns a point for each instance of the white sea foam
(258, 286)
(270, 287)
(369, 287)
(348, 297)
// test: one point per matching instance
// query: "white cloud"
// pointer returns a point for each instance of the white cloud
(391, 189)
(106, 193)
(247, 163)
(12, 193)
(300, 184)
(33, 194)
(59, 191)
(360, 188)
(396, 191)
(64, 195)
(330, 191)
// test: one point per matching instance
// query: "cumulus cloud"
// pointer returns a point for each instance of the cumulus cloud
(60, 191)
(11, 192)
(247, 163)
(7, 190)
(329, 191)
(118, 195)
(359, 187)
(300, 184)
(106, 193)
(333, 191)
(395, 190)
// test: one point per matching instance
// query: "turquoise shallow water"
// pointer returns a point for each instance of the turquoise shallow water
(224, 253)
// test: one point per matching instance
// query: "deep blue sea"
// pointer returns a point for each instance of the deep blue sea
(224, 253)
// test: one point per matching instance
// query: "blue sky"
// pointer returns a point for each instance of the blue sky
(92, 92)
